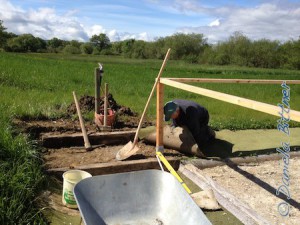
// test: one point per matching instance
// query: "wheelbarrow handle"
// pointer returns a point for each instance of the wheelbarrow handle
(172, 171)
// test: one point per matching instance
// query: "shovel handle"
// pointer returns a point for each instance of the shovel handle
(87, 144)
(172, 171)
(150, 96)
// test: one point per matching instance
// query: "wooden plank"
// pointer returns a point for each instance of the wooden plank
(118, 166)
(75, 139)
(159, 116)
(209, 163)
(239, 209)
(251, 104)
(240, 81)
(105, 104)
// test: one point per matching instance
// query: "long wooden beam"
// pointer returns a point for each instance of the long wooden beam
(242, 211)
(75, 139)
(117, 166)
(208, 163)
(251, 104)
(241, 81)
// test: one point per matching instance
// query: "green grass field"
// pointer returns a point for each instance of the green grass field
(41, 85)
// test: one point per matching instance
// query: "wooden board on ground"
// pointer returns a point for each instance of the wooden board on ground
(257, 184)
(76, 139)
(118, 166)
(209, 163)
(241, 210)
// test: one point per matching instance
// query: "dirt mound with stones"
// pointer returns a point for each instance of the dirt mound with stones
(87, 103)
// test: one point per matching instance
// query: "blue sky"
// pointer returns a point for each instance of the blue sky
(149, 19)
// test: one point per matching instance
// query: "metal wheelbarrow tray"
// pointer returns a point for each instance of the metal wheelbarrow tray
(149, 197)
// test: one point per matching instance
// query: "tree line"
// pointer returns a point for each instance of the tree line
(238, 49)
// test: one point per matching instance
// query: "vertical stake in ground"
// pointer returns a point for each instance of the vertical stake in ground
(105, 104)
(159, 116)
(87, 144)
(97, 89)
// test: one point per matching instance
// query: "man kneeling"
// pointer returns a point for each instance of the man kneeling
(191, 115)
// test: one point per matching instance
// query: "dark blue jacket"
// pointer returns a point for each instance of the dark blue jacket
(195, 117)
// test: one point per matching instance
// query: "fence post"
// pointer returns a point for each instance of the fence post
(97, 90)
(159, 116)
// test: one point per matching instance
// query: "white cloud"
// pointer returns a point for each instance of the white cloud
(214, 23)
(269, 20)
(124, 36)
(95, 30)
(43, 22)
(113, 35)
(48, 23)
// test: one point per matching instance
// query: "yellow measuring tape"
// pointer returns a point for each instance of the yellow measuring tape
(172, 171)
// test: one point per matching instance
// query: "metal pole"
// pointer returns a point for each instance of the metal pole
(98, 77)
(97, 90)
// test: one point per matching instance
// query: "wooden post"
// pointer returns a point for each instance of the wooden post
(159, 116)
(97, 90)
(105, 104)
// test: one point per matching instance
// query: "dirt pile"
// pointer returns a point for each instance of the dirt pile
(87, 103)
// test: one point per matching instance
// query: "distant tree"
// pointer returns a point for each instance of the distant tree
(87, 48)
(25, 43)
(70, 49)
(116, 47)
(290, 54)
(235, 50)
(2, 28)
(4, 35)
(239, 47)
(186, 46)
(127, 47)
(265, 53)
(42, 45)
(138, 50)
(159, 48)
(101, 41)
(75, 43)
(55, 45)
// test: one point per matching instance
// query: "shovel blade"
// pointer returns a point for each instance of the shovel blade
(128, 150)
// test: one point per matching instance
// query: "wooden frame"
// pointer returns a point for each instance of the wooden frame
(228, 81)
(244, 102)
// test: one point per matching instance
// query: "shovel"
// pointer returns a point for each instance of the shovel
(131, 147)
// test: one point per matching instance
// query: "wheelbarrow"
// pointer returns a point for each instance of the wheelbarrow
(149, 197)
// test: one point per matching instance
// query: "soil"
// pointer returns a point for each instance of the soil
(36, 128)
(256, 185)
(71, 157)
(87, 103)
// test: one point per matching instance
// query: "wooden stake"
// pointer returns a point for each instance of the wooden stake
(105, 104)
(87, 144)
(247, 103)
(159, 116)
